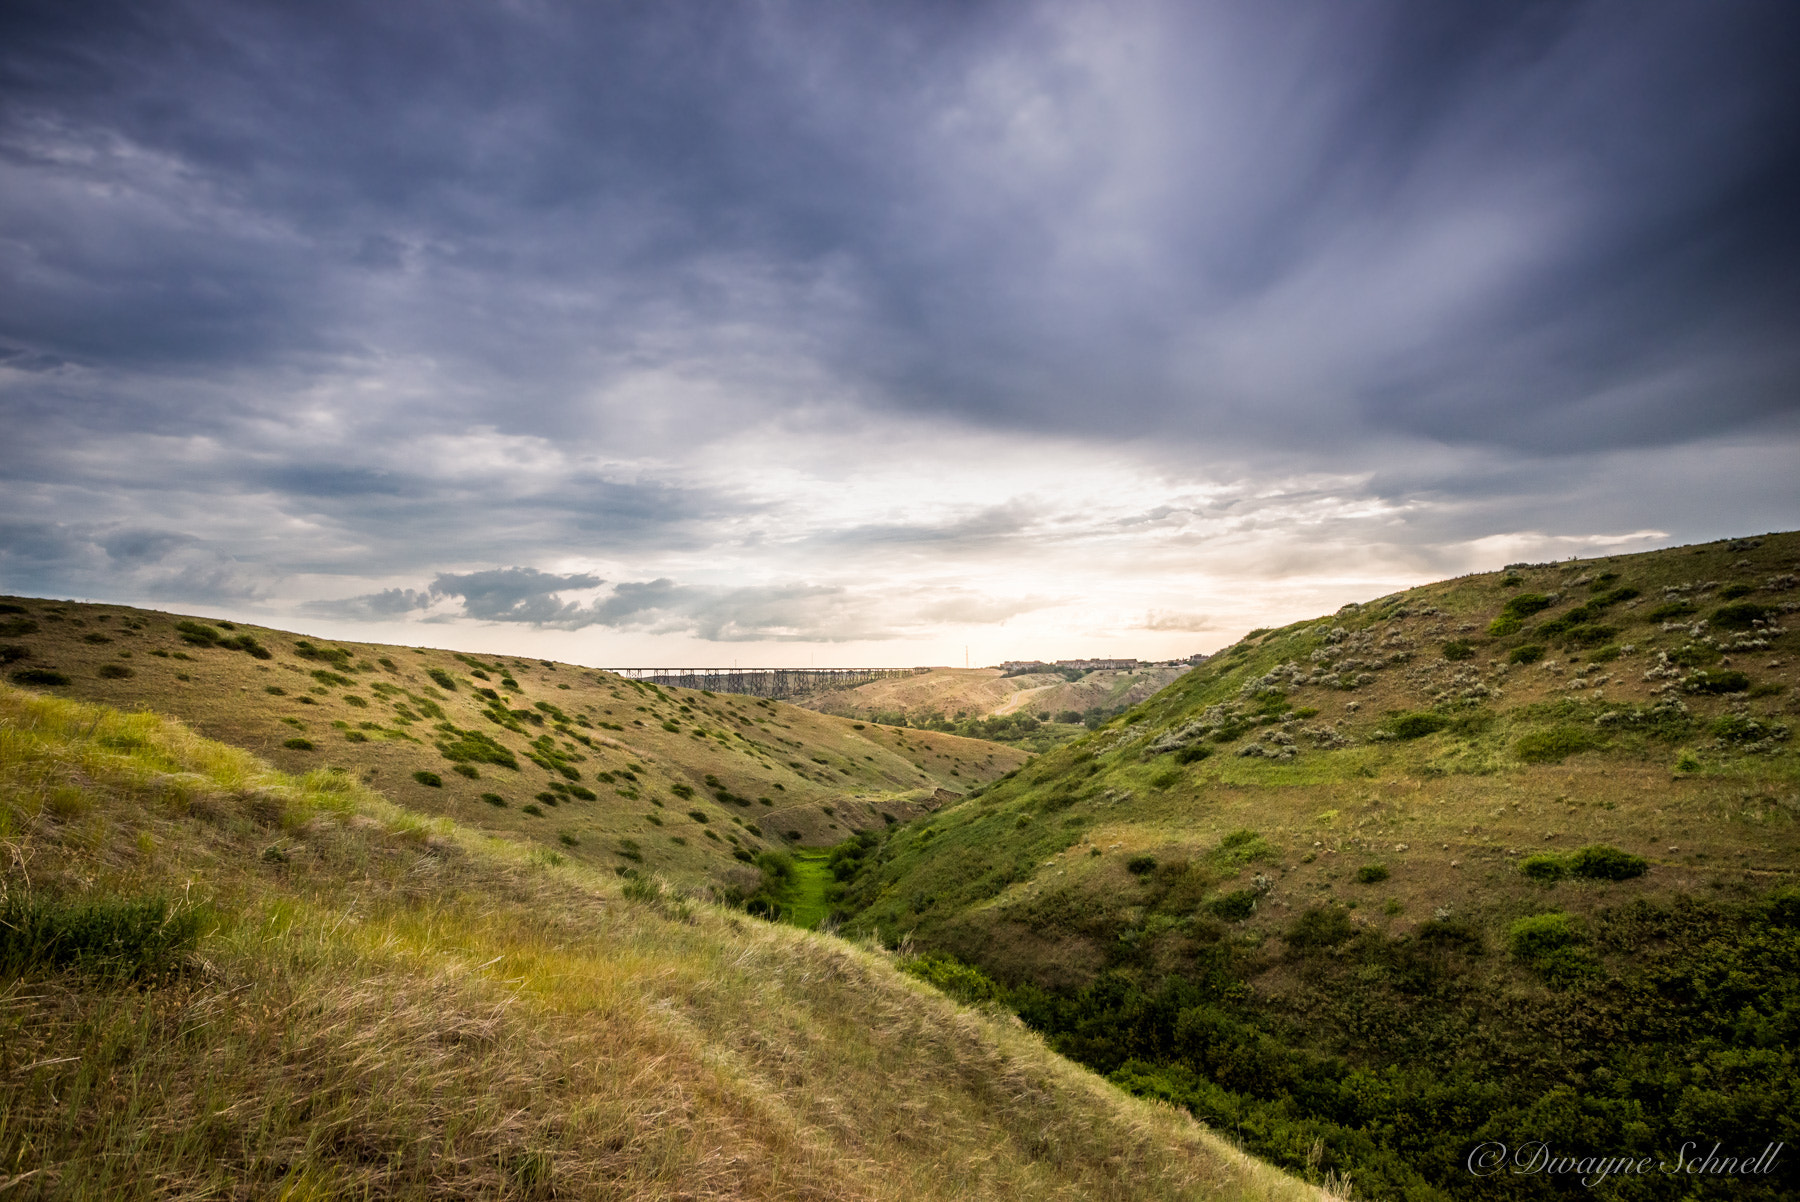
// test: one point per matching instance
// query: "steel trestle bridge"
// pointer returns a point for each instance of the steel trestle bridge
(760, 682)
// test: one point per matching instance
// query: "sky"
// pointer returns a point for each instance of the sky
(686, 333)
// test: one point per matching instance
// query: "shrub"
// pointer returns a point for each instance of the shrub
(1588, 634)
(1321, 926)
(114, 672)
(429, 779)
(121, 938)
(355, 736)
(1730, 680)
(12, 653)
(631, 851)
(1527, 653)
(1235, 906)
(568, 840)
(1372, 874)
(948, 975)
(699, 816)
(683, 791)
(1687, 761)
(1741, 615)
(1140, 865)
(1670, 610)
(1416, 725)
(1551, 746)
(1533, 938)
(582, 792)
(1606, 654)
(43, 676)
(298, 744)
(1166, 779)
(198, 634)
(1524, 605)
(1738, 728)
(96, 638)
(13, 628)
(530, 808)
(1543, 868)
(472, 746)
(444, 679)
(495, 800)
(1459, 649)
(1600, 862)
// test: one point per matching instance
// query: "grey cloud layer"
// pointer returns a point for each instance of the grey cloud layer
(262, 263)
(1561, 226)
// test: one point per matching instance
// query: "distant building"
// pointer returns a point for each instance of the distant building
(1016, 667)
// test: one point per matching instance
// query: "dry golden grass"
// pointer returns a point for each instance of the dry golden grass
(386, 1005)
(370, 713)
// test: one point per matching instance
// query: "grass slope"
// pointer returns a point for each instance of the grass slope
(1328, 845)
(604, 770)
(219, 979)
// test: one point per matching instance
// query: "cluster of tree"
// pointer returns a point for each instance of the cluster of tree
(1392, 1060)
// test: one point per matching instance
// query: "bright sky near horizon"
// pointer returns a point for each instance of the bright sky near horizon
(854, 333)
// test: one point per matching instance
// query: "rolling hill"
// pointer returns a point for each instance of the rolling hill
(605, 770)
(218, 979)
(1509, 856)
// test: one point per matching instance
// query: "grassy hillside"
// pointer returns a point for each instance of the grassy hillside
(218, 979)
(1033, 710)
(604, 770)
(1511, 853)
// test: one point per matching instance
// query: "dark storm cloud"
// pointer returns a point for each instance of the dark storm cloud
(781, 612)
(261, 262)
(1560, 226)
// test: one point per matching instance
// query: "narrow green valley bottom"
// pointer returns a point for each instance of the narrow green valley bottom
(807, 904)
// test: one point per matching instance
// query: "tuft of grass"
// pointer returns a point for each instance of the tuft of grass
(430, 780)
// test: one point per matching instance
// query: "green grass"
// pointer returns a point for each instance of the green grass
(807, 905)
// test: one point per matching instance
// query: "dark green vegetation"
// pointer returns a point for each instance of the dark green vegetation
(117, 938)
(1506, 857)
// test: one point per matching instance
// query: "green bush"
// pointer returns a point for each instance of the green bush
(429, 779)
(40, 676)
(119, 938)
(298, 744)
(1235, 906)
(1741, 615)
(1140, 865)
(1551, 746)
(12, 653)
(14, 628)
(1504, 625)
(445, 681)
(1372, 874)
(1728, 680)
(1416, 725)
(495, 800)
(1321, 926)
(1457, 650)
(1600, 862)
(683, 791)
(1526, 653)
(530, 808)
(1670, 610)
(949, 975)
(114, 672)
(1167, 778)
(1606, 654)
(1532, 938)
(1544, 868)
(1524, 605)
(699, 816)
